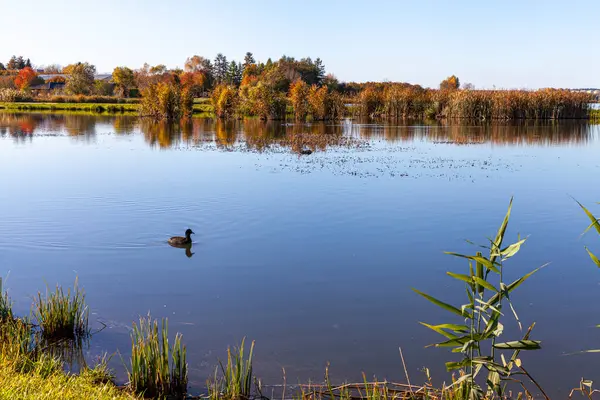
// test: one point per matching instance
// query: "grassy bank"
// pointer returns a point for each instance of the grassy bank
(98, 108)
(41, 383)
(595, 115)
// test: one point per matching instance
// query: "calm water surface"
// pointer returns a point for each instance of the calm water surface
(314, 257)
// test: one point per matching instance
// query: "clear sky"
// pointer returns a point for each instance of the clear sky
(507, 44)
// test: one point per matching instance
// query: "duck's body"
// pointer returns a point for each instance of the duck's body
(182, 241)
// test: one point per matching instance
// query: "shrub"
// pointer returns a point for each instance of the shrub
(299, 99)
(165, 101)
(225, 100)
(14, 96)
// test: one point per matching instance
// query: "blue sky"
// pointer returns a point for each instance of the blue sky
(507, 44)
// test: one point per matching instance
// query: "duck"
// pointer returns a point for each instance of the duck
(182, 241)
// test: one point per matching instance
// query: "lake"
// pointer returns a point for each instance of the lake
(312, 256)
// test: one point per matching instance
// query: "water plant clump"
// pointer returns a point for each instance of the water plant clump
(157, 370)
(235, 382)
(477, 337)
(62, 316)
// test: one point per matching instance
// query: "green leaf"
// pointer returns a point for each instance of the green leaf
(511, 250)
(479, 259)
(460, 341)
(440, 330)
(519, 345)
(441, 304)
(484, 284)
(500, 235)
(593, 257)
(594, 220)
(496, 298)
(451, 366)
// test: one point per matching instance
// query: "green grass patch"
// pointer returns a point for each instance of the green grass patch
(595, 115)
(61, 315)
(46, 380)
(151, 373)
(95, 108)
(236, 380)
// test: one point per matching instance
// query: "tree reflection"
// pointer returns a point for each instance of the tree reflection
(257, 135)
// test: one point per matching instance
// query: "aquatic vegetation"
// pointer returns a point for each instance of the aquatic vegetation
(61, 315)
(400, 100)
(595, 223)
(488, 296)
(151, 373)
(235, 382)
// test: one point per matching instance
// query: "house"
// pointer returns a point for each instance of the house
(47, 87)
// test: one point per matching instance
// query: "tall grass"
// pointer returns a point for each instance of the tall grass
(6, 312)
(477, 337)
(399, 100)
(237, 376)
(157, 370)
(61, 315)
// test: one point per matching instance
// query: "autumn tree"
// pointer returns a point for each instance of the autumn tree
(194, 82)
(124, 80)
(450, 83)
(25, 78)
(81, 79)
(202, 65)
(52, 69)
(299, 98)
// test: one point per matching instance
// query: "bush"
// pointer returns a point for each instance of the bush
(14, 96)
(166, 101)
(224, 99)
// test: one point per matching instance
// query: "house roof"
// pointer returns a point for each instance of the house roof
(98, 77)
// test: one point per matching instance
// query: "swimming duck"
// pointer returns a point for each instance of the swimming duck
(180, 240)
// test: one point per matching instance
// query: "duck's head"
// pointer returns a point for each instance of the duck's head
(189, 232)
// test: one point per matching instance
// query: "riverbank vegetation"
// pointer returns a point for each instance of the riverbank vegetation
(279, 89)
(157, 369)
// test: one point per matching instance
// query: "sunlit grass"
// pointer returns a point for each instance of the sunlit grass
(61, 315)
(151, 372)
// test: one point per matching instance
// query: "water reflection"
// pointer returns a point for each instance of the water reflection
(256, 135)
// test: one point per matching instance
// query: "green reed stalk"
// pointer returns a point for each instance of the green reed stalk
(487, 293)
(152, 372)
(237, 375)
(61, 315)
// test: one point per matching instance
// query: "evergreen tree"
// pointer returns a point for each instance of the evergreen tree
(28, 63)
(221, 68)
(249, 59)
(12, 63)
(320, 70)
(2, 67)
(20, 62)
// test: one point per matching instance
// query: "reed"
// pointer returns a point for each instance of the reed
(477, 337)
(62, 316)
(157, 370)
(237, 376)
(401, 100)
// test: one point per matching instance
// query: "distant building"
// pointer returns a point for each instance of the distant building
(97, 77)
(47, 87)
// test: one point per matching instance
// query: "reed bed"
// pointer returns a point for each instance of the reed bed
(414, 102)
(237, 377)
(151, 373)
(61, 315)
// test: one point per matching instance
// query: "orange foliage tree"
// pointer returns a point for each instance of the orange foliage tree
(25, 78)
(193, 81)
(450, 83)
